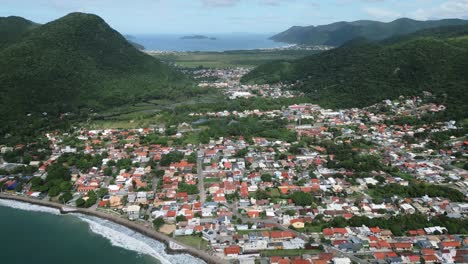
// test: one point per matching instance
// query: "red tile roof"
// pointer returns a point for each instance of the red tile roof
(232, 250)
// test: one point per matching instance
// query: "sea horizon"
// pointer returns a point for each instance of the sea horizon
(223, 42)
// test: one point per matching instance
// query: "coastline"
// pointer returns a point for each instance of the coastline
(151, 233)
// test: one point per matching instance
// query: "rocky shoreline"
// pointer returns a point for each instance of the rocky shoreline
(131, 225)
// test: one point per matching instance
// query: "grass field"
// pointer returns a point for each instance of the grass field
(146, 113)
(193, 241)
(230, 59)
(246, 232)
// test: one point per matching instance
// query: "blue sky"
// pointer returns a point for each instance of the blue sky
(226, 16)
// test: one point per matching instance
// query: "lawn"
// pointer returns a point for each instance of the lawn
(211, 180)
(193, 241)
(288, 252)
(246, 232)
(275, 192)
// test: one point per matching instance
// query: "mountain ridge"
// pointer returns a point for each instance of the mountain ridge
(79, 61)
(363, 72)
(13, 28)
(338, 33)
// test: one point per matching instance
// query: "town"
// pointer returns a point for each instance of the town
(228, 80)
(381, 184)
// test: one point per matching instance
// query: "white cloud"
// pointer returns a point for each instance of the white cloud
(274, 2)
(382, 14)
(220, 3)
(447, 9)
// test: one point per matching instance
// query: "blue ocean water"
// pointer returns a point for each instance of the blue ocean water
(40, 235)
(223, 42)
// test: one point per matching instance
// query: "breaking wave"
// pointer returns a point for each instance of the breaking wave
(126, 238)
(28, 207)
(118, 235)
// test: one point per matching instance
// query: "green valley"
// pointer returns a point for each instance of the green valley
(230, 59)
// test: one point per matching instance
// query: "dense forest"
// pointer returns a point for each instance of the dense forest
(78, 62)
(361, 72)
(14, 28)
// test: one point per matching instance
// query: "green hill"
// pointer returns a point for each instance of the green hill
(337, 34)
(78, 61)
(13, 28)
(361, 73)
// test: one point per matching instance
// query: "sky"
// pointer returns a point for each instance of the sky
(230, 16)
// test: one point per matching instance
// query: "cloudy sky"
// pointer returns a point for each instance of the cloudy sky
(226, 16)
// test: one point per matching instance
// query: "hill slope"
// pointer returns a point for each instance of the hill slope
(337, 34)
(79, 61)
(361, 73)
(13, 28)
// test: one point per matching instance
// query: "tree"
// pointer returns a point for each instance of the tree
(174, 156)
(188, 188)
(65, 197)
(266, 177)
(160, 173)
(158, 223)
(302, 198)
(65, 186)
(54, 191)
(103, 192)
(58, 172)
(108, 171)
(192, 158)
(290, 212)
(181, 218)
(261, 195)
(80, 202)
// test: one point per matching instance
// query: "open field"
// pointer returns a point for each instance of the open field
(229, 59)
(193, 241)
(145, 114)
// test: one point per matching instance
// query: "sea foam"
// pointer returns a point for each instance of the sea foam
(118, 235)
(126, 238)
(28, 207)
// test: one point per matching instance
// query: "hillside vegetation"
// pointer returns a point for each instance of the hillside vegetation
(13, 28)
(337, 34)
(361, 73)
(78, 61)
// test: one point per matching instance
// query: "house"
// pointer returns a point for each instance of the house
(281, 235)
(341, 261)
(114, 201)
(297, 223)
(232, 251)
(133, 212)
(402, 246)
(449, 244)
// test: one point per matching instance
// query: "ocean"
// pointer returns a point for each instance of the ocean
(223, 42)
(41, 235)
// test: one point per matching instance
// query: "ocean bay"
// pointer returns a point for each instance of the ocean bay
(34, 234)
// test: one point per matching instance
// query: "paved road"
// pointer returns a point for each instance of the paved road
(234, 208)
(201, 182)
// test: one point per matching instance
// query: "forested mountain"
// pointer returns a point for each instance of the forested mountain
(78, 61)
(338, 33)
(361, 73)
(13, 28)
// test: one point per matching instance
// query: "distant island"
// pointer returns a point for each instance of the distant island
(198, 37)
